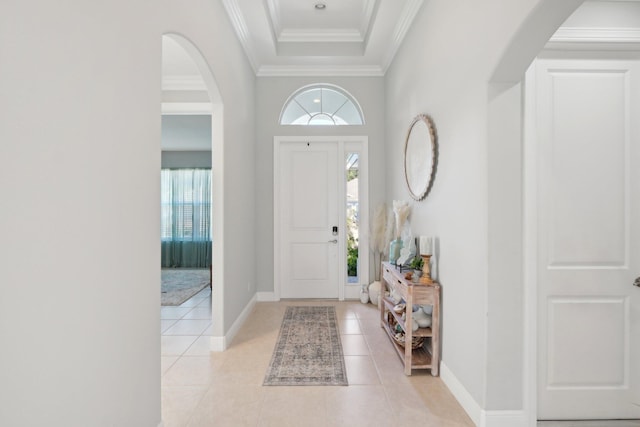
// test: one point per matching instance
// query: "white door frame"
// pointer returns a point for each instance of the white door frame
(345, 143)
(530, 245)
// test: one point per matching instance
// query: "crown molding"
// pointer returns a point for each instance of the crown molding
(304, 35)
(320, 71)
(367, 16)
(596, 35)
(183, 83)
(240, 26)
(274, 18)
(404, 23)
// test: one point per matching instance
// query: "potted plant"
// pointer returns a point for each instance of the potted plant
(416, 265)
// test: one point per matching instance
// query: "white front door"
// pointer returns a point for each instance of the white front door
(308, 206)
(588, 175)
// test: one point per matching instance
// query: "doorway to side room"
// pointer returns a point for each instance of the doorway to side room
(192, 140)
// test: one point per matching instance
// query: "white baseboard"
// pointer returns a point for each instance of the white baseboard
(221, 343)
(503, 419)
(266, 296)
(480, 417)
(461, 394)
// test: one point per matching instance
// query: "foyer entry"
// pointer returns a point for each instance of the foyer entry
(317, 217)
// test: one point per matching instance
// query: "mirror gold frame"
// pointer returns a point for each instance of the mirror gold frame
(420, 156)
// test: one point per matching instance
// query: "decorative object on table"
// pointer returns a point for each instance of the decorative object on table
(401, 211)
(399, 308)
(395, 296)
(364, 294)
(415, 341)
(420, 156)
(426, 250)
(416, 264)
(399, 335)
(408, 250)
(421, 319)
(308, 350)
(374, 292)
(394, 250)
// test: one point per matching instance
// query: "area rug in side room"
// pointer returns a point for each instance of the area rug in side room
(308, 350)
(180, 284)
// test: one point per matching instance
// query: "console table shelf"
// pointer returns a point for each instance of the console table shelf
(426, 356)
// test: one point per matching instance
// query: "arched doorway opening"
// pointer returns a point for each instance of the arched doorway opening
(190, 91)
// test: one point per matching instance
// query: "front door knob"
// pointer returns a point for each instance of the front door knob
(637, 282)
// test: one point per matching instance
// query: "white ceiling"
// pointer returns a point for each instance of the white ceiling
(347, 37)
(361, 37)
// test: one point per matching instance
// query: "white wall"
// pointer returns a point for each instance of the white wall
(271, 94)
(79, 313)
(451, 53)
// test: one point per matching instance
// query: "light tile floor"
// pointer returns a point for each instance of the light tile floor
(201, 388)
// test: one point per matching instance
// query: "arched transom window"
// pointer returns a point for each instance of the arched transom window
(321, 104)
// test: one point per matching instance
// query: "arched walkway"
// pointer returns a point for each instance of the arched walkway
(217, 170)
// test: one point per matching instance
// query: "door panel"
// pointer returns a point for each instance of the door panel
(309, 210)
(588, 239)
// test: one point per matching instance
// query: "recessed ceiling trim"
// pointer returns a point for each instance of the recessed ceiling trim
(329, 71)
(596, 35)
(274, 50)
(318, 35)
(239, 24)
(404, 23)
(367, 16)
(274, 18)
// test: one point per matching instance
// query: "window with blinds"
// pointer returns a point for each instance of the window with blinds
(186, 205)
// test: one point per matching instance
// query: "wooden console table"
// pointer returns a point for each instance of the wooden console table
(426, 356)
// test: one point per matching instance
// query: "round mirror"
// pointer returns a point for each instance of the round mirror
(420, 156)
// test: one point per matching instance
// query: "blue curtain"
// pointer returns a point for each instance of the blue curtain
(186, 218)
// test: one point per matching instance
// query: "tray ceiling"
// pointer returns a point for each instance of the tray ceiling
(301, 37)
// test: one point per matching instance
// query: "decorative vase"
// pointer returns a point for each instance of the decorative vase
(374, 292)
(394, 250)
(364, 294)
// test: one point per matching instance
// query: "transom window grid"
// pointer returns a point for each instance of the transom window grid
(324, 105)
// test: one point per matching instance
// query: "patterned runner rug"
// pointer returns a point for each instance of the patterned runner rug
(308, 350)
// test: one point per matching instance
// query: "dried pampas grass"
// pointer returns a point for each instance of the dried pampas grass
(390, 230)
(401, 209)
(378, 239)
(378, 228)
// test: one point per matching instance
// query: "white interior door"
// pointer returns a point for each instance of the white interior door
(588, 143)
(308, 191)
